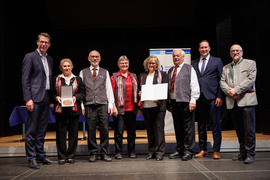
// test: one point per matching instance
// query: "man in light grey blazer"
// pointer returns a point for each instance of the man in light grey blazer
(238, 83)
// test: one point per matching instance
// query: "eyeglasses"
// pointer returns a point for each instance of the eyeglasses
(236, 50)
(151, 63)
(124, 63)
(94, 56)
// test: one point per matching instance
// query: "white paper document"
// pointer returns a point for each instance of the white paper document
(154, 92)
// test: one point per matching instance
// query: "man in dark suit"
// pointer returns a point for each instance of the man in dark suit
(36, 86)
(208, 69)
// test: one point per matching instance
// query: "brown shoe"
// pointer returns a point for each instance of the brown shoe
(216, 155)
(201, 154)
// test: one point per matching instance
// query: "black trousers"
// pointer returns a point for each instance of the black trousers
(36, 128)
(128, 119)
(154, 120)
(184, 127)
(244, 119)
(61, 133)
(206, 110)
(93, 113)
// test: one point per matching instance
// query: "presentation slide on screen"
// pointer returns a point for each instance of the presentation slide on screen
(166, 62)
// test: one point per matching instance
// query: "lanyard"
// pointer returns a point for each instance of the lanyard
(232, 66)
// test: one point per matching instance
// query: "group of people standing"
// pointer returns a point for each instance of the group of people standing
(96, 95)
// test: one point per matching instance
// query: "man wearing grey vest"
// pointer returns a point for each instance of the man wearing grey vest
(98, 104)
(184, 91)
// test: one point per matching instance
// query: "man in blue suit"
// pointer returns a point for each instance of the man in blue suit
(208, 69)
(36, 86)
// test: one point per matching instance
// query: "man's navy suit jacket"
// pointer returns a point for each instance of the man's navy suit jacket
(34, 76)
(209, 80)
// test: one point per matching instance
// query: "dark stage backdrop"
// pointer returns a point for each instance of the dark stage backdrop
(130, 28)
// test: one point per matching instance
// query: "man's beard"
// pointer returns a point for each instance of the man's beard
(94, 63)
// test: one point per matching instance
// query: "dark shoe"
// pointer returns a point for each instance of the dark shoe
(249, 160)
(71, 161)
(92, 158)
(175, 155)
(33, 164)
(106, 158)
(118, 156)
(240, 157)
(187, 157)
(61, 162)
(132, 155)
(159, 158)
(46, 161)
(149, 156)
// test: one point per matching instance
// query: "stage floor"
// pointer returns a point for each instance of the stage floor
(141, 169)
(13, 146)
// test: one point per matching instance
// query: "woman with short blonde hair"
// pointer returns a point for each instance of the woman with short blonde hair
(154, 110)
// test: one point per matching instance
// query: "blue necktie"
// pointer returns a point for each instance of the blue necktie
(203, 66)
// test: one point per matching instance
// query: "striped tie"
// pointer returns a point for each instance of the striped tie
(173, 79)
(94, 73)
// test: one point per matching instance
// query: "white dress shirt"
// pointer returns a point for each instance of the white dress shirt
(46, 68)
(67, 80)
(201, 61)
(109, 90)
(194, 85)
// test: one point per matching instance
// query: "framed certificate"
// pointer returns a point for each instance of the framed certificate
(66, 96)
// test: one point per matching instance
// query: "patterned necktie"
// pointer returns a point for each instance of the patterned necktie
(94, 73)
(173, 79)
(203, 66)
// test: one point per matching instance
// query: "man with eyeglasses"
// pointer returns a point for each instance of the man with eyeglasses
(98, 104)
(36, 86)
(238, 83)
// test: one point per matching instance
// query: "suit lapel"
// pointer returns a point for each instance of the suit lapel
(49, 60)
(40, 61)
(144, 78)
(155, 77)
(210, 61)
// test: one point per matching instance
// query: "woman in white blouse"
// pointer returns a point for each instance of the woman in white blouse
(154, 111)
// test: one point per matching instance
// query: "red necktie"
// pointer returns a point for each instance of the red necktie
(173, 79)
(94, 73)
